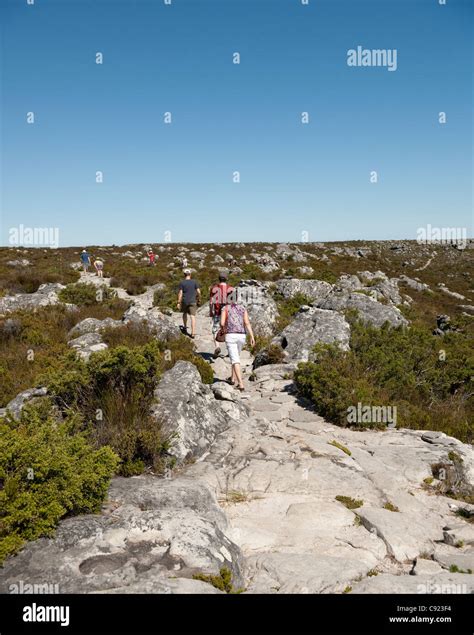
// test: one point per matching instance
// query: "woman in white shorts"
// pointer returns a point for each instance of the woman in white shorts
(235, 321)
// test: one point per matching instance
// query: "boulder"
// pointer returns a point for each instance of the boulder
(261, 307)
(152, 533)
(92, 325)
(188, 412)
(161, 325)
(47, 294)
(19, 263)
(16, 405)
(313, 327)
(368, 308)
(414, 284)
(86, 344)
(379, 283)
(315, 290)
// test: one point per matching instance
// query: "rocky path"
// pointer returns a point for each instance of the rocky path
(265, 487)
(277, 472)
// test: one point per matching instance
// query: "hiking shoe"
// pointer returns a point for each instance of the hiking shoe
(216, 353)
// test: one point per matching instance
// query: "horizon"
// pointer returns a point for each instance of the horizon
(343, 121)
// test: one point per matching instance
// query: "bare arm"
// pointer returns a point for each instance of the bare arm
(248, 328)
(223, 317)
(180, 297)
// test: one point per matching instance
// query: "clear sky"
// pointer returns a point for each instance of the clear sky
(229, 117)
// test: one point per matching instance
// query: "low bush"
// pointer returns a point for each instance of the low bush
(34, 342)
(401, 368)
(86, 294)
(48, 469)
(114, 391)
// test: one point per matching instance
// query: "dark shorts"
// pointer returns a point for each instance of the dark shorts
(189, 309)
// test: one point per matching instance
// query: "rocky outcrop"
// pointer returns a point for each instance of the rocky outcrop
(24, 262)
(93, 325)
(188, 412)
(16, 405)
(162, 326)
(86, 344)
(380, 286)
(315, 290)
(311, 327)
(369, 310)
(152, 537)
(374, 297)
(47, 294)
(261, 307)
(414, 283)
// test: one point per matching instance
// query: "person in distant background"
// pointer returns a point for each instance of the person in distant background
(86, 260)
(99, 267)
(189, 296)
(217, 301)
(235, 321)
(152, 258)
(184, 262)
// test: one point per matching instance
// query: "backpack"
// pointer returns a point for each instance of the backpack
(218, 298)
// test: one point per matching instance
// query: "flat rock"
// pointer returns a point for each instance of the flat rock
(156, 530)
(405, 535)
(431, 584)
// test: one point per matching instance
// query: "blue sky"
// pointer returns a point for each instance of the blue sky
(178, 178)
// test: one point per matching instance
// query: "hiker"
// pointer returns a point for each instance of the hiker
(86, 260)
(99, 267)
(235, 323)
(184, 262)
(189, 296)
(151, 258)
(217, 300)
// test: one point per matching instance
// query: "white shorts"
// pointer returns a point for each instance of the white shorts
(235, 343)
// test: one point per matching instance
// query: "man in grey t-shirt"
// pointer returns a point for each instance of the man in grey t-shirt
(189, 296)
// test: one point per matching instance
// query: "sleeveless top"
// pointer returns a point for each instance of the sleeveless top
(235, 318)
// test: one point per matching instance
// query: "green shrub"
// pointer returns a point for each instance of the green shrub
(86, 294)
(401, 368)
(270, 353)
(182, 349)
(114, 391)
(47, 469)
